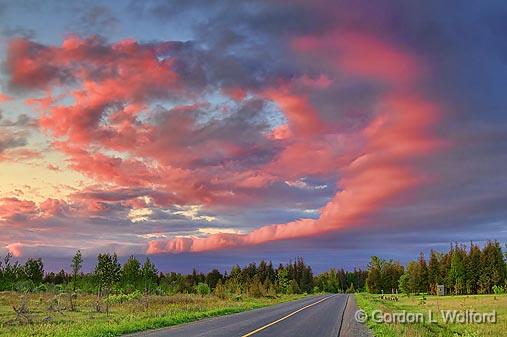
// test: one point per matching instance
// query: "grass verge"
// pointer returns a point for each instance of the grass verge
(435, 304)
(154, 312)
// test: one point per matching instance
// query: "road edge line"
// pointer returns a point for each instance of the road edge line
(343, 315)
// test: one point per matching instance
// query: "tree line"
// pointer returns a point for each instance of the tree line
(134, 276)
(461, 270)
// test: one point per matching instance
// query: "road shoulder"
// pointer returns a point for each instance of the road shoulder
(350, 327)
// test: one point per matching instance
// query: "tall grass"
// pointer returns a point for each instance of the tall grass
(130, 316)
(421, 304)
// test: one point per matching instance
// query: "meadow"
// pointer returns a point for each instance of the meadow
(422, 304)
(51, 314)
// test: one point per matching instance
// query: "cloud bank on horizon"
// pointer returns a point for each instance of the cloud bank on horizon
(174, 127)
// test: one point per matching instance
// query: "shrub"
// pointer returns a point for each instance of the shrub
(41, 288)
(351, 289)
(256, 289)
(498, 290)
(122, 298)
(220, 290)
(203, 289)
(24, 286)
(403, 284)
(293, 288)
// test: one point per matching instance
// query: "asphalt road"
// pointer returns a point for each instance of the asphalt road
(319, 316)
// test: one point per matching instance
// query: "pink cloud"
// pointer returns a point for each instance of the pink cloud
(400, 133)
(53, 167)
(21, 212)
(20, 155)
(4, 98)
(281, 132)
(236, 93)
(362, 55)
(110, 132)
(302, 116)
(131, 73)
(16, 249)
(11, 207)
(104, 114)
(53, 207)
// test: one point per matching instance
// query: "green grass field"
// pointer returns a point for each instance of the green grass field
(50, 315)
(421, 304)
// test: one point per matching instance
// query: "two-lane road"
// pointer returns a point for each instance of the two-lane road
(320, 316)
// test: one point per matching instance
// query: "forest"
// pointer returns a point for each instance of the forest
(111, 278)
(461, 270)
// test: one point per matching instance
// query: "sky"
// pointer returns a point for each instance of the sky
(209, 133)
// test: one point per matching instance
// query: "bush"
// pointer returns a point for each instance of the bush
(403, 284)
(351, 289)
(498, 290)
(220, 290)
(293, 288)
(203, 289)
(122, 298)
(60, 288)
(256, 289)
(24, 286)
(41, 288)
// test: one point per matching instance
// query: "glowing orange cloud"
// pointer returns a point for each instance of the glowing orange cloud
(10, 207)
(399, 133)
(4, 98)
(362, 55)
(301, 115)
(100, 123)
(16, 249)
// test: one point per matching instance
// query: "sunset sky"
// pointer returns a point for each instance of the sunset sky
(209, 133)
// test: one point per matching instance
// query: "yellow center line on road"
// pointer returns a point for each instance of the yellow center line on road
(287, 316)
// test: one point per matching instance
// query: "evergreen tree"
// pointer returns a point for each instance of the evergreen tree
(306, 281)
(391, 274)
(213, 277)
(34, 270)
(77, 264)
(434, 271)
(374, 280)
(456, 276)
(414, 277)
(149, 273)
(493, 271)
(131, 275)
(423, 283)
(473, 269)
(445, 266)
(107, 271)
